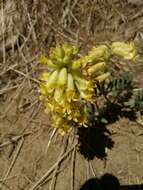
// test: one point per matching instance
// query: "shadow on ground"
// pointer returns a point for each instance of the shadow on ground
(94, 140)
(108, 182)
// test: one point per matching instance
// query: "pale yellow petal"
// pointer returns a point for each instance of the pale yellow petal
(102, 77)
(93, 69)
(125, 50)
(62, 79)
(45, 76)
(59, 96)
(46, 61)
(100, 53)
(70, 91)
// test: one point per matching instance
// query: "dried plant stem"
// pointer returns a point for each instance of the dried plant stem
(49, 142)
(16, 95)
(36, 185)
(53, 182)
(87, 168)
(26, 76)
(93, 172)
(3, 31)
(8, 178)
(92, 169)
(54, 177)
(51, 177)
(14, 139)
(72, 168)
(13, 161)
(6, 89)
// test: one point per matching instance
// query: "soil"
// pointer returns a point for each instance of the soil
(25, 131)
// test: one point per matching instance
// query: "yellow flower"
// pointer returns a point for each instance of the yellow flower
(125, 50)
(51, 82)
(62, 55)
(77, 64)
(69, 50)
(80, 63)
(69, 85)
(57, 53)
(96, 69)
(102, 77)
(45, 61)
(62, 124)
(75, 112)
(100, 53)
(43, 90)
(62, 79)
(45, 76)
(82, 82)
(59, 96)
(53, 106)
(85, 88)
(70, 91)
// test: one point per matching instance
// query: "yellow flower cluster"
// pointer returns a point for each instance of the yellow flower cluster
(125, 50)
(69, 82)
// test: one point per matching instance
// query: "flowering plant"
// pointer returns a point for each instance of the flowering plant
(68, 85)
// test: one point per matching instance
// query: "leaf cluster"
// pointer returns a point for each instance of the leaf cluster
(116, 86)
(119, 95)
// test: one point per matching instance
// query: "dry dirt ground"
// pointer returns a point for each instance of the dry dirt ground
(27, 161)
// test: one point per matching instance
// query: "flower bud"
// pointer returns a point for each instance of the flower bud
(59, 96)
(92, 70)
(45, 76)
(45, 61)
(57, 53)
(125, 50)
(100, 53)
(62, 79)
(51, 82)
(102, 77)
(70, 91)
(69, 50)
(77, 64)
